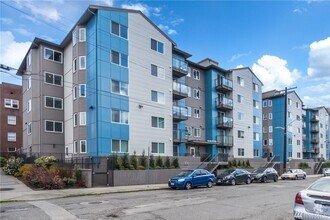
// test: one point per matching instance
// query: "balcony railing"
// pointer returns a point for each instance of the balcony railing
(180, 135)
(316, 150)
(304, 137)
(315, 118)
(224, 103)
(225, 140)
(180, 67)
(315, 140)
(180, 90)
(315, 129)
(180, 113)
(223, 84)
(224, 122)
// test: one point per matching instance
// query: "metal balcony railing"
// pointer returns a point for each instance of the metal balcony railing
(180, 89)
(180, 112)
(179, 135)
(222, 83)
(225, 140)
(224, 103)
(180, 65)
(225, 122)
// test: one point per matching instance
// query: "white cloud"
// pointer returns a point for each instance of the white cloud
(163, 27)
(6, 21)
(12, 52)
(24, 32)
(237, 56)
(172, 32)
(239, 66)
(167, 29)
(274, 72)
(319, 59)
(177, 21)
(318, 88)
(145, 9)
(311, 102)
(109, 3)
(297, 10)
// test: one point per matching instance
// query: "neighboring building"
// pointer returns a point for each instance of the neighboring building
(273, 106)
(316, 133)
(11, 118)
(328, 136)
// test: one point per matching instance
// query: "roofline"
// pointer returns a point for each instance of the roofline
(207, 67)
(281, 94)
(185, 54)
(241, 68)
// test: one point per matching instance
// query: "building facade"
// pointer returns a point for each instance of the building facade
(11, 107)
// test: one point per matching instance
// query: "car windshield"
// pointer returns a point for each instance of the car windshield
(228, 171)
(260, 170)
(185, 173)
(289, 171)
(322, 185)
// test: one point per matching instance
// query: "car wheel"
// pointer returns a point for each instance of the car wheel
(296, 178)
(209, 184)
(188, 185)
(248, 181)
(173, 187)
(264, 179)
(282, 178)
(233, 182)
(275, 178)
(304, 177)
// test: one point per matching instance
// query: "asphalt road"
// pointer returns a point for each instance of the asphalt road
(255, 201)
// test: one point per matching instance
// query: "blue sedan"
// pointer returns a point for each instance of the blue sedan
(192, 178)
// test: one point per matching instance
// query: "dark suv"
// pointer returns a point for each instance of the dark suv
(264, 174)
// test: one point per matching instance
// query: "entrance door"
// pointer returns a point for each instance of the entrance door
(192, 151)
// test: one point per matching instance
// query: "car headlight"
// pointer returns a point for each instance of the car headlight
(259, 175)
(181, 180)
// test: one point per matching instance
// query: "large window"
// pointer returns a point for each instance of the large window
(157, 122)
(157, 46)
(11, 103)
(120, 117)
(83, 146)
(82, 62)
(11, 119)
(54, 126)
(157, 71)
(53, 55)
(157, 148)
(11, 136)
(119, 146)
(119, 29)
(82, 90)
(120, 88)
(82, 118)
(53, 79)
(53, 102)
(120, 59)
(158, 97)
(240, 151)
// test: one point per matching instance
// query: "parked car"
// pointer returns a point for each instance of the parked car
(326, 172)
(234, 176)
(264, 174)
(313, 202)
(294, 174)
(192, 178)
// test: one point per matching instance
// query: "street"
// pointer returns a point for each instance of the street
(254, 201)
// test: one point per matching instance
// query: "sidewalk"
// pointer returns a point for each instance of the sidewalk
(12, 189)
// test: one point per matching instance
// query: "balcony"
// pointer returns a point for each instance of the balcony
(224, 103)
(315, 140)
(304, 137)
(314, 129)
(224, 122)
(223, 85)
(179, 136)
(179, 67)
(314, 118)
(180, 91)
(316, 150)
(224, 141)
(180, 113)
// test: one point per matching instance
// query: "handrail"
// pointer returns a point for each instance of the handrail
(267, 164)
(205, 160)
(319, 166)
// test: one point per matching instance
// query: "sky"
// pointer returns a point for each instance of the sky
(285, 43)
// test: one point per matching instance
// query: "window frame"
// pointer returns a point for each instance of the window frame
(119, 30)
(240, 134)
(80, 93)
(157, 46)
(12, 101)
(198, 113)
(82, 35)
(29, 128)
(240, 152)
(8, 120)
(29, 83)
(82, 115)
(29, 106)
(196, 76)
(120, 57)
(54, 74)
(53, 131)
(120, 146)
(158, 147)
(158, 122)
(14, 136)
(53, 60)
(197, 94)
(121, 92)
(121, 112)
(54, 99)
(240, 81)
(80, 62)
(199, 133)
(80, 146)
(158, 99)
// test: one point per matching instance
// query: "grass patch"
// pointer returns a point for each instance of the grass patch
(8, 201)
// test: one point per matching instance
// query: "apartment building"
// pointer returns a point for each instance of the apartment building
(316, 133)
(273, 115)
(10, 118)
(328, 137)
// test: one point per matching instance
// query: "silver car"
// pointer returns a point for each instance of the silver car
(294, 174)
(326, 172)
(313, 202)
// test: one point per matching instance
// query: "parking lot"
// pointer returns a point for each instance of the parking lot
(254, 201)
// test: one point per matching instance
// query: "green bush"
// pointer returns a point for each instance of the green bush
(43, 178)
(230, 165)
(152, 162)
(69, 181)
(248, 164)
(12, 165)
(326, 165)
(125, 161)
(159, 162)
(234, 163)
(77, 173)
(3, 161)
(303, 165)
(134, 160)
(175, 163)
(117, 162)
(167, 163)
(239, 163)
(45, 161)
(143, 159)
(140, 167)
(243, 164)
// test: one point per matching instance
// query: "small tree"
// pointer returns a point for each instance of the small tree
(134, 160)
(248, 164)
(167, 163)
(125, 161)
(175, 162)
(230, 165)
(152, 162)
(117, 162)
(234, 163)
(159, 162)
(239, 163)
(243, 164)
(143, 159)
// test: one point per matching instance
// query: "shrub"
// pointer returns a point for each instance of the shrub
(12, 165)
(326, 165)
(167, 162)
(239, 163)
(77, 173)
(243, 164)
(3, 161)
(131, 167)
(117, 162)
(303, 165)
(234, 163)
(143, 159)
(45, 161)
(140, 167)
(159, 162)
(125, 161)
(175, 163)
(248, 164)
(134, 160)
(23, 170)
(230, 165)
(40, 177)
(152, 162)
(69, 181)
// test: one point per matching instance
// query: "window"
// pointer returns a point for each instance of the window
(157, 46)
(240, 151)
(196, 93)
(157, 148)
(298, 142)
(11, 103)
(189, 131)
(83, 146)
(157, 122)
(75, 119)
(11, 149)
(289, 115)
(256, 104)
(264, 129)
(120, 88)
(74, 92)
(74, 38)
(270, 103)
(265, 142)
(29, 105)
(53, 102)
(240, 98)
(75, 147)
(298, 130)
(28, 59)
(240, 134)
(120, 59)
(270, 129)
(82, 62)
(290, 141)
(270, 115)
(197, 132)
(264, 103)
(119, 146)
(53, 55)
(11, 136)
(157, 71)
(196, 113)
(53, 126)
(29, 128)
(189, 111)
(255, 87)
(256, 153)
(119, 30)
(82, 118)
(290, 154)
(11, 119)
(256, 136)
(297, 105)
(74, 65)
(256, 120)
(289, 128)
(82, 90)
(158, 97)
(29, 82)
(53, 79)
(264, 116)
(82, 34)
(240, 116)
(289, 101)
(196, 74)
(298, 154)
(240, 81)
(120, 117)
